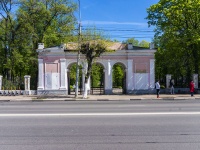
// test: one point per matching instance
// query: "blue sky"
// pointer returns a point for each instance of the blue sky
(118, 19)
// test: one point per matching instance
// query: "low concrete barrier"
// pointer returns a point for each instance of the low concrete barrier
(16, 92)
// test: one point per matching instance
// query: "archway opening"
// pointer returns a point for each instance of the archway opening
(71, 74)
(97, 79)
(118, 79)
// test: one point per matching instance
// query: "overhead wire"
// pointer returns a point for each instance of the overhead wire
(122, 32)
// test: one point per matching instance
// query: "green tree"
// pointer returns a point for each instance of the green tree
(133, 41)
(144, 43)
(177, 34)
(47, 21)
(7, 31)
(91, 50)
(24, 24)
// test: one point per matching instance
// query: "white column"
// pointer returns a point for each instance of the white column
(27, 84)
(129, 76)
(63, 75)
(195, 80)
(152, 74)
(40, 74)
(89, 84)
(1, 80)
(168, 78)
(108, 78)
(83, 78)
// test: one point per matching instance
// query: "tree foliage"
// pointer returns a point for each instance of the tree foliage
(24, 24)
(118, 75)
(177, 35)
(92, 50)
(144, 43)
(97, 75)
(135, 42)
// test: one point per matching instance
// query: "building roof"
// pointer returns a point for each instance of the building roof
(110, 46)
(113, 46)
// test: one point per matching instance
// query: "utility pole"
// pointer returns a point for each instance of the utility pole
(79, 47)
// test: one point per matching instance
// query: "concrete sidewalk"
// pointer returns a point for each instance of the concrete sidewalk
(99, 97)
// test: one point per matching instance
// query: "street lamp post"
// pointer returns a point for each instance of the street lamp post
(79, 45)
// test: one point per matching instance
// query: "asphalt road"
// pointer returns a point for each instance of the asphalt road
(100, 125)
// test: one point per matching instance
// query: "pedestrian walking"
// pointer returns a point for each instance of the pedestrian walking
(172, 86)
(157, 86)
(192, 88)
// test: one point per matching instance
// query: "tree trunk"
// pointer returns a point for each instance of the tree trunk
(87, 77)
(86, 88)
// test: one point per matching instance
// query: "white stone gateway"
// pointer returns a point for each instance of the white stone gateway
(195, 80)
(27, 84)
(168, 79)
(54, 64)
(1, 80)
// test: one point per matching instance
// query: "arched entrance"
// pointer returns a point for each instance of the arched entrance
(119, 79)
(97, 79)
(71, 74)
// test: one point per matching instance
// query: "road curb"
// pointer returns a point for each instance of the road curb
(96, 98)
(4, 100)
(137, 99)
(20, 100)
(102, 99)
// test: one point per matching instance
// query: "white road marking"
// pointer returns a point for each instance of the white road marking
(100, 114)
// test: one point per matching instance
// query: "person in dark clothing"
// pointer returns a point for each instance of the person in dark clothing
(172, 86)
(157, 86)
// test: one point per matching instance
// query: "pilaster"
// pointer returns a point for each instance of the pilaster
(1, 80)
(195, 80)
(129, 76)
(40, 74)
(168, 79)
(152, 73)
(27, 84)
(63, 75)
(108, 78)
